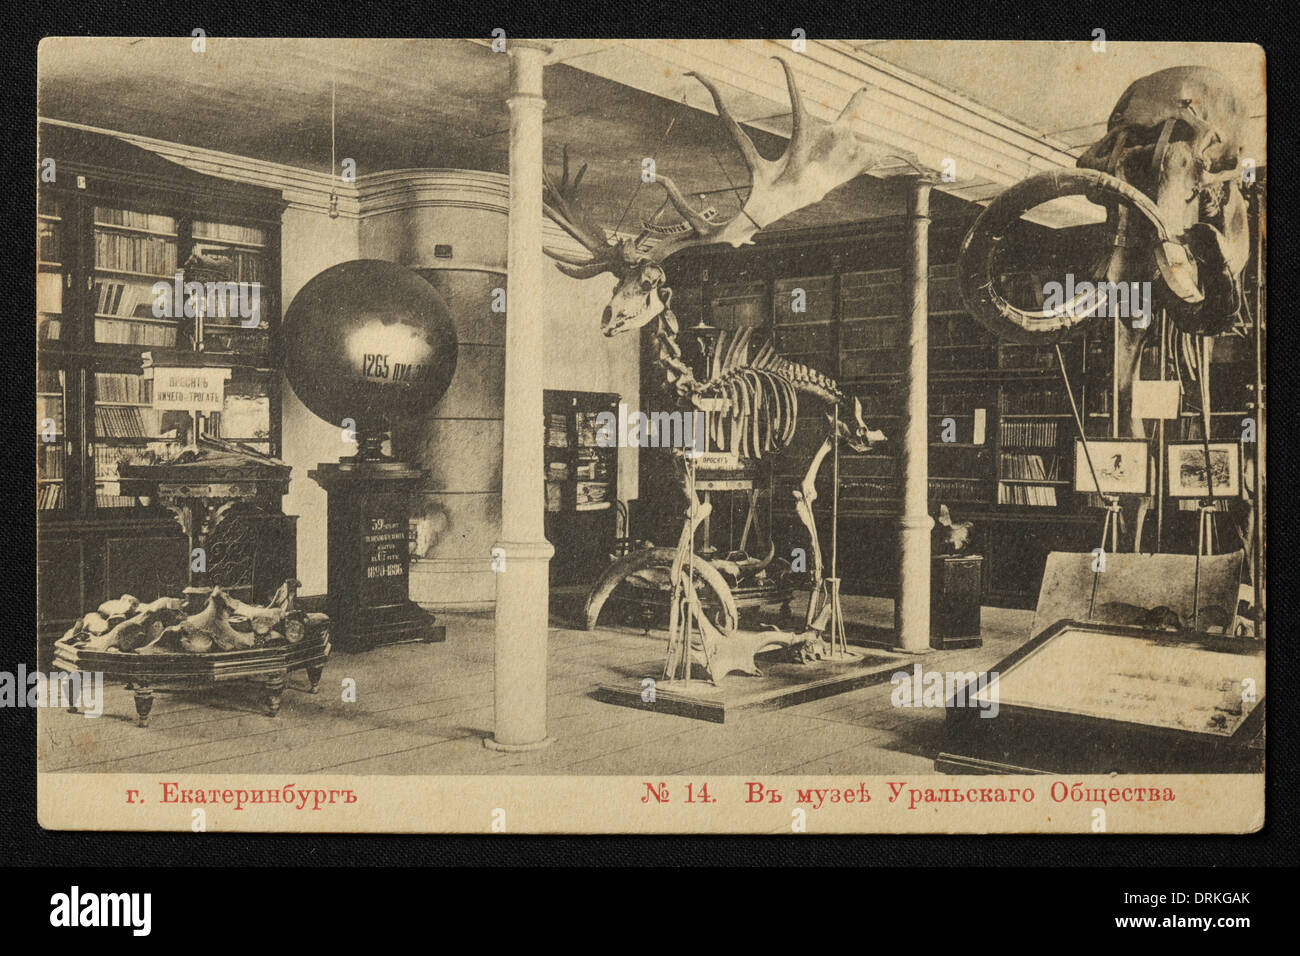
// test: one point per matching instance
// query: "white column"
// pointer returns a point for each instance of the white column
(912, 606)
(523, 590)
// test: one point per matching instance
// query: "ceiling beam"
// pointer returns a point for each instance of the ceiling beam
(916, 118)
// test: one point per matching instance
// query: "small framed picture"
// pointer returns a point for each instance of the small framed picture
(1188, 470)
(1121, 467)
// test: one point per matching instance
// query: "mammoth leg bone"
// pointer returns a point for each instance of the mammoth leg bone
(804, 497)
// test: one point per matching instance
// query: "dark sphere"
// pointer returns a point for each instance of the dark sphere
(371, 341)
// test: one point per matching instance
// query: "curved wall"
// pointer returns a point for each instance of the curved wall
(411, 217)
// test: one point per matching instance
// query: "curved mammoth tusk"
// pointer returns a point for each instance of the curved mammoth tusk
(629, 564)
(976, 266)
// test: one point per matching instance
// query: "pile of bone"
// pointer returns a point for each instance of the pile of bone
(162, 626)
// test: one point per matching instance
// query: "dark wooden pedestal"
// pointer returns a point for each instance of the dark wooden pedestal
(368, 514)
(955, 601)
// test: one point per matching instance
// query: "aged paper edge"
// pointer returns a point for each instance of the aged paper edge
(1201, 803)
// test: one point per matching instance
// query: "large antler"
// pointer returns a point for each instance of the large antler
(819, 157)
(560, 203)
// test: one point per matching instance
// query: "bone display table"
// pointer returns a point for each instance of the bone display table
(145, 673)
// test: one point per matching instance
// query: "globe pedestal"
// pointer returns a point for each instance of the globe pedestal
(368, 513)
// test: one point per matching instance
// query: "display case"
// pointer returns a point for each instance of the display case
(120, 233)
(581, 482)
(1089, 698)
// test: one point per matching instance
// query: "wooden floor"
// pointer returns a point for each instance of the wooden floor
(425, 709)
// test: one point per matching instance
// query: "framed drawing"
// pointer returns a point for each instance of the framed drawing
(1121, 467)
(1187, 469)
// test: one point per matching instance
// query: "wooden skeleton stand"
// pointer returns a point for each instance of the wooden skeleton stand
(827, 596)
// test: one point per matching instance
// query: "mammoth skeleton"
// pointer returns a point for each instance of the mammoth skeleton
(750, 393)
(1167, 173)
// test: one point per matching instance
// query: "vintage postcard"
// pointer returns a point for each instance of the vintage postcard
(649, 436)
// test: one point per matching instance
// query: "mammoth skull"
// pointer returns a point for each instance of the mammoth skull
(1166, 171)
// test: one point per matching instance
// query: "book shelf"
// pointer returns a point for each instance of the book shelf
(581, 483)
(1001, 433)
(1000, 437)
(119, 232)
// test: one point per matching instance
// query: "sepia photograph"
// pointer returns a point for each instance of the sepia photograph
(650, 435)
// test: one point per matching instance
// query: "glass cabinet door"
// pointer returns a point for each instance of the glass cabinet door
(51, 439)
(127, 428)
(134, 251)
(235, 323)
(52, 244)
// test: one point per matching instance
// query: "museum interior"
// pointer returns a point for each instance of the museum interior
(630, 406)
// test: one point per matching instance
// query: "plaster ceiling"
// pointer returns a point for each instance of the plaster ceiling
(441, 103)
(1065, 89)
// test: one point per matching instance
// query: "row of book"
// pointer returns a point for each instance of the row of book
(114, 501)
(49, 497)
(1027, 357)
(130, 299)
(958, 401)
(1031, 467)
(957, 489)
(865, 294)
(1029, 434)
(241, 265)
(229, 232)
(120, 332)
(127, 421)
(1032, 401)
(866, 489)
(872, 335)
(134, 219)
(121, 387)
(152, 255)
(49, 460)
(1038, 496)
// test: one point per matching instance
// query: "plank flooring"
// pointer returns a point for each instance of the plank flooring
(425, 709)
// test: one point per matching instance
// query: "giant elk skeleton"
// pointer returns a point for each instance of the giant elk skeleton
(751, 394)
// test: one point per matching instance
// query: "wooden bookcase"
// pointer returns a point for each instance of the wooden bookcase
(114, 221)
(581, 483)
(1002, 435)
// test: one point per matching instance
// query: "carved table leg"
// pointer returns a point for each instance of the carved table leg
(274, 690)
(70, 691)
(143, 703)
(313, 676)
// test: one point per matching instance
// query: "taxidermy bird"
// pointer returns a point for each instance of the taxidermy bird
(948, 536)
